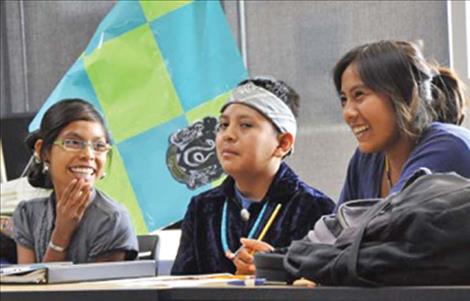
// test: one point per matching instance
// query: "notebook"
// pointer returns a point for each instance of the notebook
(68, 272)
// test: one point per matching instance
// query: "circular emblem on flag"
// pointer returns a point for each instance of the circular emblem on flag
(191, 156)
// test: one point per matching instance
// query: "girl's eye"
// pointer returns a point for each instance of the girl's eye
(246, 125)
(100, 146)
(342, 100)
(73, 143)
(358, 94)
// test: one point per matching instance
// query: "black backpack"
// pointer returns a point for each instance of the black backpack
(419, 236)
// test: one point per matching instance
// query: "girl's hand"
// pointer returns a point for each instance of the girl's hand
(70, 207)
(304, 282)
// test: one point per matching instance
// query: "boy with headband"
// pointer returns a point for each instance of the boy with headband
(257, 129)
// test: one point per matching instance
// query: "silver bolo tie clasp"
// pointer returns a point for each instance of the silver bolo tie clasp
(245, 214)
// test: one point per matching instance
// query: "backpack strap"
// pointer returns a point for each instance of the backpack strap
(356, 244)
(418, 173)
(374, 211)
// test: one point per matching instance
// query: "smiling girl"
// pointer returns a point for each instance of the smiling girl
(77, 222)
(390, 97)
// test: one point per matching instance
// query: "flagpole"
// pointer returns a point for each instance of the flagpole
(242, 23)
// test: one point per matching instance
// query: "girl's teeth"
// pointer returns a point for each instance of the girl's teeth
(361, 129)
(84, 171)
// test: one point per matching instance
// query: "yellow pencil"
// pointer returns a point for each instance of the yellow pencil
(264, 231)
(270, 221)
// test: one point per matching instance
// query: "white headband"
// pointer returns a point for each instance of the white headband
(267, 103)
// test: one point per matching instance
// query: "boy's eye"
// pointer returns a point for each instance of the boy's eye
(222, 126)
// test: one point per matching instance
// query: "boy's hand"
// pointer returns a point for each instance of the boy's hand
(244, 260)
(253, 245)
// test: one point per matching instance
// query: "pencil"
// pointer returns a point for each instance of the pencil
(265, 229)
(270, 221)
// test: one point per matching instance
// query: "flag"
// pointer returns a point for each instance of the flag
(153, 68)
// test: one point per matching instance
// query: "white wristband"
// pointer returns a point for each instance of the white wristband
(56, 247)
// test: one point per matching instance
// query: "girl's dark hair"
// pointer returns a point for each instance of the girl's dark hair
(278, 88)
(398, 70)
(448, 97)
(56, 118)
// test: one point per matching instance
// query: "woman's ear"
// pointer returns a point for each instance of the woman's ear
(286, 142)
(37, 150)
(460, 121)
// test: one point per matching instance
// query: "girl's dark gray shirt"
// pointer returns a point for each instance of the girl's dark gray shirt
(105, 227)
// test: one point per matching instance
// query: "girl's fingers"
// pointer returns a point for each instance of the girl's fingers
(83, 202)
(77, 195)
(67, 191)
(304, 282)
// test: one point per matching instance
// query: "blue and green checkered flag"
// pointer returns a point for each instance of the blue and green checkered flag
(153, 68)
